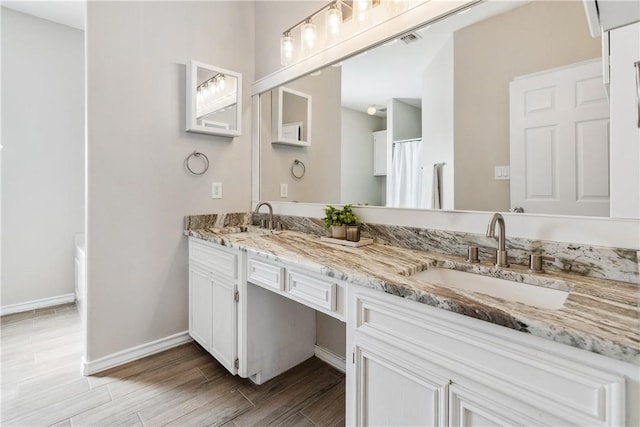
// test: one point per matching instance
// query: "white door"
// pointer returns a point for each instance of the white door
(395, 392)
(200, 301)
(559, 141)
(224, 324)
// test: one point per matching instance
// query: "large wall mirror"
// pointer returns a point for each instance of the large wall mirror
(497, 108)
(213, 100)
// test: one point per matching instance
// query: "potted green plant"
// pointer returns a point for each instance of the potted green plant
(338, 219)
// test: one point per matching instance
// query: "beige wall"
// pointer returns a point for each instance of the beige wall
(42, 158)
(274, 18)
(138, 188)
(534, 37)
(359, 184)
(323, 155)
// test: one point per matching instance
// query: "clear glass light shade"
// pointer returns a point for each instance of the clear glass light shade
(333, 22)
(395, 6)
(309, 37)
(222, 82)
(286, 49)
(371, 110)
(362, 10)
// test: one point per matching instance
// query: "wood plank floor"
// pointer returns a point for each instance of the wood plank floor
(42, 385)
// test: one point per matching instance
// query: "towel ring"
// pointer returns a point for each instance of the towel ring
(197, 154)
(302, 167)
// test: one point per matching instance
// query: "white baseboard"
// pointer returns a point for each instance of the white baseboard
(134, 353)
(35, 304)
(330, 358)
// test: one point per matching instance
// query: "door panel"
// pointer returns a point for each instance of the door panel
(224, 324)
(470, 408)
(200, 301)
(559, 141)
(397, 393)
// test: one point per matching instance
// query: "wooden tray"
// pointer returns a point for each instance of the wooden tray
(362, 242)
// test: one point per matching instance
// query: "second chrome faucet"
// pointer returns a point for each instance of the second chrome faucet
(501, 254)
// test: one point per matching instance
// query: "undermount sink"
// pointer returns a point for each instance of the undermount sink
(535, 296)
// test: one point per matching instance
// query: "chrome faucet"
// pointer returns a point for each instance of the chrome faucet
(501, 254)
(270, 221)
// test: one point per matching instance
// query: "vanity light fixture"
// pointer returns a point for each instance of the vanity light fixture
(336, 13)
(309, 37)
(212, 84)
(361, 9)
(286, 49)
(395, 6)
(333, 22)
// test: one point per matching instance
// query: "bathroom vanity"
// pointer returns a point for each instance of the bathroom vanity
(418, 352)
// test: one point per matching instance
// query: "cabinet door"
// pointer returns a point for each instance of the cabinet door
(470, 407)
(392, 391)
(200, 303)
(224, 324)
(380, 153)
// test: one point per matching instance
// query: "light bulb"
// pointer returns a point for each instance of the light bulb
(361, 10)
(333, 21)
(309, 37)
(371, 110)
(395, 6)
(286, 49)
(221, 82)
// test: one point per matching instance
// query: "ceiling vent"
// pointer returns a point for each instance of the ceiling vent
(410, 38)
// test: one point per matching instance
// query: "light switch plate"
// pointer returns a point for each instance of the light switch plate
(284, 190)
(502, 172)
(216, 190)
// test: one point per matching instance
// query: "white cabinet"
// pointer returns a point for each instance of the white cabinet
(322, 293)
(200, 301)
(380, 153)
(386, 379)
(253, 332)
(212, 301)
(417, 365)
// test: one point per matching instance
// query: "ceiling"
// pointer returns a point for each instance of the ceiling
(71, 12)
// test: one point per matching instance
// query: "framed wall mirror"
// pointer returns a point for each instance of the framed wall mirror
(291, 117)
(450, 85)
(213, 100)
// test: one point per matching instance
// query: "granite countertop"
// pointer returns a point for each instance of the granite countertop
(598, 315)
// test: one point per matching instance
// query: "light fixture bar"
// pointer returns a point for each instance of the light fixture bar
(339, 3)
(339, 12)
(210, 80)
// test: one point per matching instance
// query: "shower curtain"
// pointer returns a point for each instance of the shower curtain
(405, 177)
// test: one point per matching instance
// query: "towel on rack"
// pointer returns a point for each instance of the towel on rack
(436, 192)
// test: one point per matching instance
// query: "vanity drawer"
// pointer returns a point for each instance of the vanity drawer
(315, 291)
(214, 258)
(265, 274)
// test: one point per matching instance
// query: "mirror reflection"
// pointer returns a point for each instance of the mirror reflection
(468, 113)
(213, 100)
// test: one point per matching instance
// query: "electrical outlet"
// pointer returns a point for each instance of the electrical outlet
(502, 172)
(284, 190)
(216, 190)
